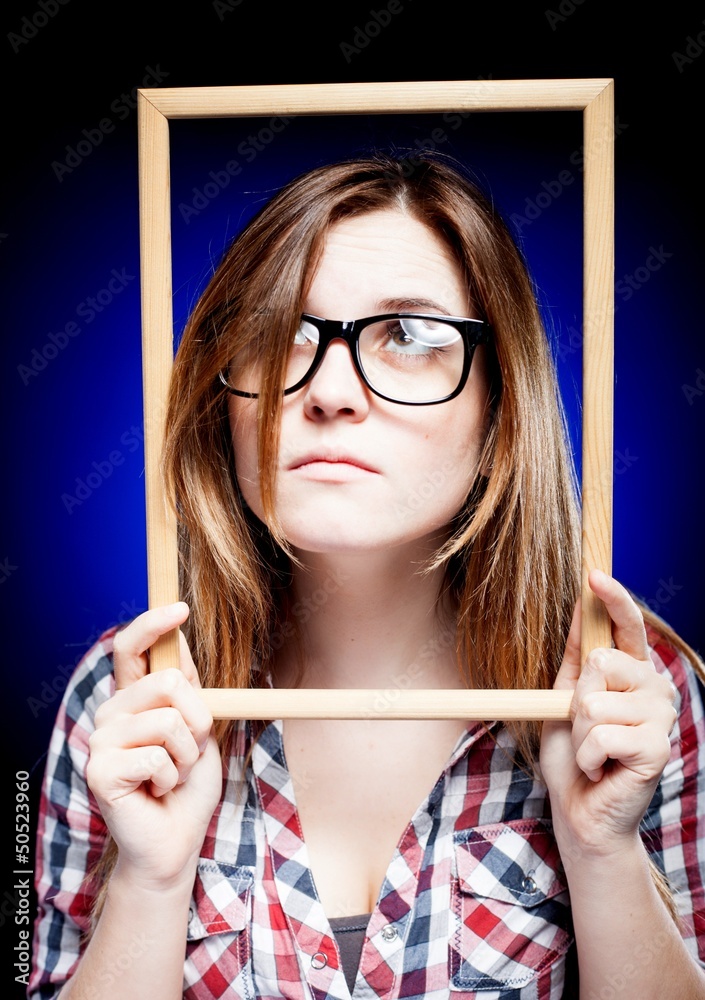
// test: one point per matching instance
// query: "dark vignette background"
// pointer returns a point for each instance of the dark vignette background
(72, 529)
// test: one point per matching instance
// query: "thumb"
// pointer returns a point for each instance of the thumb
(569, 670)
(131, 644)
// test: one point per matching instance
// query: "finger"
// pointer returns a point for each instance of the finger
(644, 750)
(617, 708)
(615, 670)
(628, 630)
(162, 727)
(120, 772)
(163, 689)
(130, 644)
(152, 766)
(569, 671)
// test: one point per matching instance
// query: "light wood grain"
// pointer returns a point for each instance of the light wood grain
(295, 703)
(598, 361)
(157, 362)
(592, 96)
(376, 98)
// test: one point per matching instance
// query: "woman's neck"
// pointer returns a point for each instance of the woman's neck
(369, 620)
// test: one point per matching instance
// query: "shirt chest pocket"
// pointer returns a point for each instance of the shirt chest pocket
(218, 950)
(510, 909)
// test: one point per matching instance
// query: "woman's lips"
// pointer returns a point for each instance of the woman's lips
(332, 467)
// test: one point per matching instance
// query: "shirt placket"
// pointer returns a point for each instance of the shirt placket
(381, 961)
(383, 949)
(319, 960)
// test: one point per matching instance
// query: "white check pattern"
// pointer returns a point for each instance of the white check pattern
(474, 903)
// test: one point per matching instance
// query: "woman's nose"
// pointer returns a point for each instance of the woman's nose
(336, 388)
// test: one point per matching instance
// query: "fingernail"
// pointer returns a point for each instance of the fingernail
(175, 609)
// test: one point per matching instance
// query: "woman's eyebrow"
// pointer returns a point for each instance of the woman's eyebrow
(412, 305)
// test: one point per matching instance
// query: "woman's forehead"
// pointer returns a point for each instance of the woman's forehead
(387, 254)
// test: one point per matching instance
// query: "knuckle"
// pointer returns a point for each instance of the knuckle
(177, 736)
(590, 707)
(670, 691)
(172, 680)
(584, 758)
(119, 643)
(94, 742)
(665, 690)
(597, 661)
(599, 738)
(174, 725)
(153, 760)
(95, 747)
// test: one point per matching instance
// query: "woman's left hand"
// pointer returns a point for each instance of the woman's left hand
(603, 768)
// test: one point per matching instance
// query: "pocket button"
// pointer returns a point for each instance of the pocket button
(528, 884)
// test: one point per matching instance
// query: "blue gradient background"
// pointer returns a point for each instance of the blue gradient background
(67, 575)
(79, 419)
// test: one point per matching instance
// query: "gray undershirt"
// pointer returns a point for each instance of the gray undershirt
(350, 935)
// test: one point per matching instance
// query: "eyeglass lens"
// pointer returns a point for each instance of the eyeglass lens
(406, 358)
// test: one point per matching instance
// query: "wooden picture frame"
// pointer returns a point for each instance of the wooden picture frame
(594, 98)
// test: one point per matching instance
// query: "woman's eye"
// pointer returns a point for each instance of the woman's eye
(399, 336)
(403, 334)
(419, 336)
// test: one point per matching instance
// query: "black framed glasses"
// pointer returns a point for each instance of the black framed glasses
(409, 358)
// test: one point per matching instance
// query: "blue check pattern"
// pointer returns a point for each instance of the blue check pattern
(474, 903)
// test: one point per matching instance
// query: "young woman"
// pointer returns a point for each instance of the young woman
(374, 490)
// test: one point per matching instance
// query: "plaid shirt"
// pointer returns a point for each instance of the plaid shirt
(474, 902)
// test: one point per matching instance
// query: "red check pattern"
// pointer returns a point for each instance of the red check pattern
(474, 903)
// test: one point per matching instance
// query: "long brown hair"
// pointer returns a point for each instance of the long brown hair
(513, 561)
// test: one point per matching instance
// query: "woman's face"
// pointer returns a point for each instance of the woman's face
(355, 472)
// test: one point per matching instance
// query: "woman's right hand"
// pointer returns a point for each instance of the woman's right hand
(154, 764)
